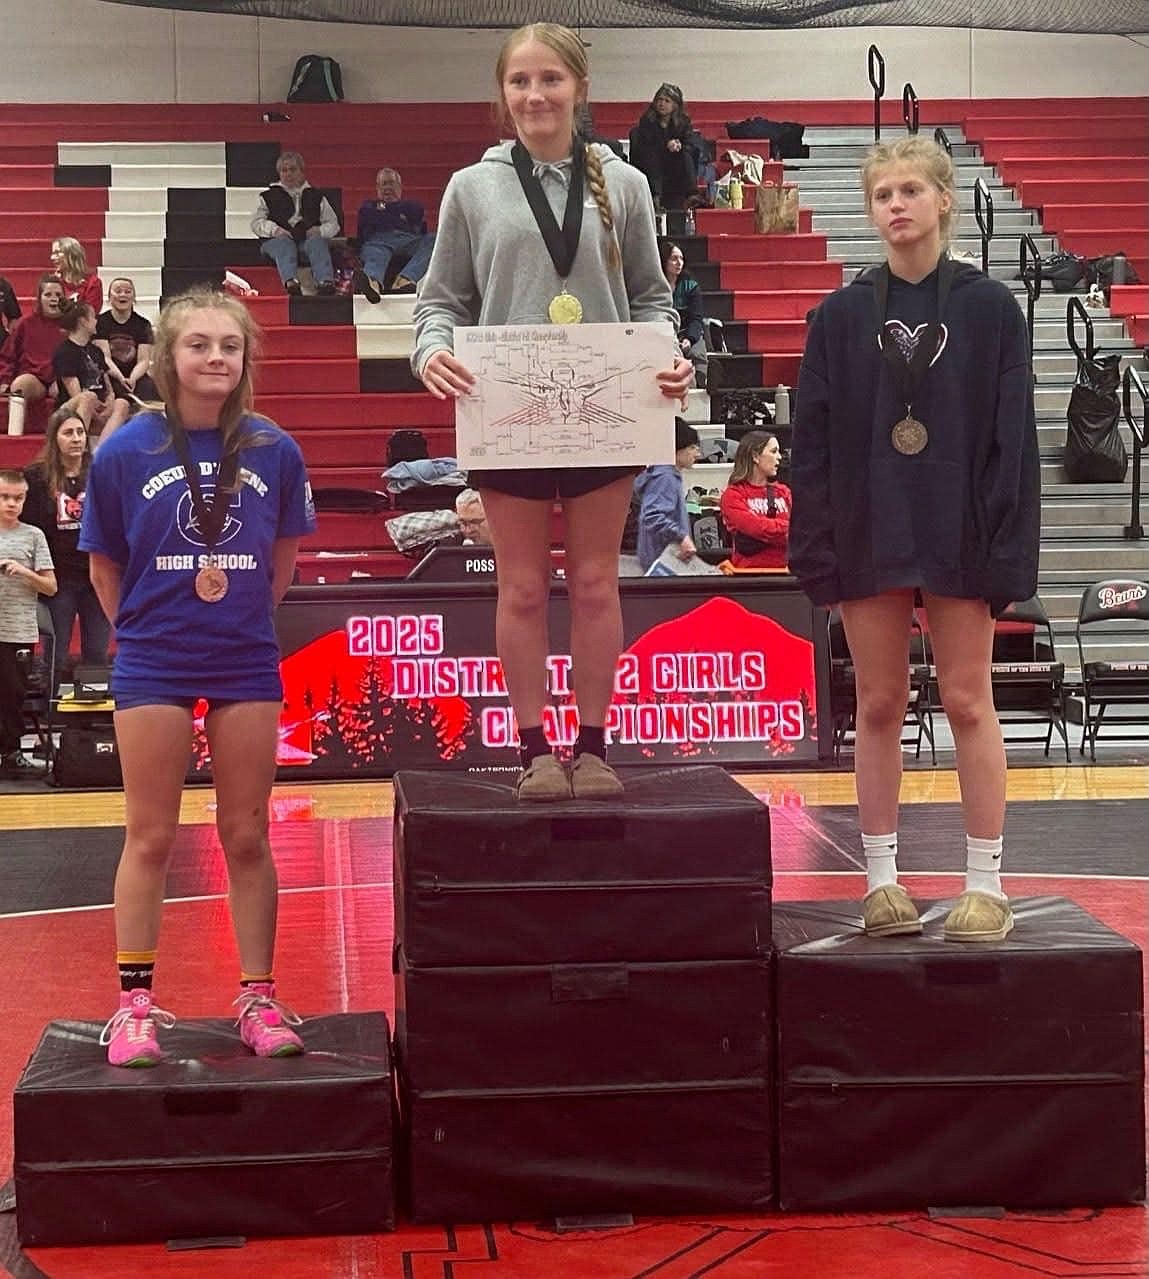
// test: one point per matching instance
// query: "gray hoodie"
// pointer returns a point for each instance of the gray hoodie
(491, 266)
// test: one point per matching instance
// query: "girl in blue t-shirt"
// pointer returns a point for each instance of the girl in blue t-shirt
(192, 586)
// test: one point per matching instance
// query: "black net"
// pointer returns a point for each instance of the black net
(1114, 17)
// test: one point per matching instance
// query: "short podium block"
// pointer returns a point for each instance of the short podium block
(915, 1072)
(213, 1142)
(583, 998)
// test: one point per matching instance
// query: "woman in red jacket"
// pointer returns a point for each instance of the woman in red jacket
(26, 357)
(755, 508)
(81, 283)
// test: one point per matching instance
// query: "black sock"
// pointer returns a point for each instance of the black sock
(590, 741)
(532, 744)
(136, 976)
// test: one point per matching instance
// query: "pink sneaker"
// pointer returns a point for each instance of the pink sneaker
(130, 1035)
(265, 1024)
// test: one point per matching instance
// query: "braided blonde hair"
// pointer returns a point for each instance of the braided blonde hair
(572, 52)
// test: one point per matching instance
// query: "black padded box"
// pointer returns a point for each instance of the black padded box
(915, 1072)
(518, 1154)
(677, 869)
(585, 1025)
(212, 1142)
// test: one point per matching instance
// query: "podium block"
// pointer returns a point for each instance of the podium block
(915, 1072)
(583, 998)
(212, 1142)
(519, 1154)
(677, 869)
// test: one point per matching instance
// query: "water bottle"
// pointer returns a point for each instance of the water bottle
(782, 406)
(690, 227)
(16, 409)
(735, 193)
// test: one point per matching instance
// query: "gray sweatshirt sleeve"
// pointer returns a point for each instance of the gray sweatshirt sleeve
(450, 293)
(646, 285)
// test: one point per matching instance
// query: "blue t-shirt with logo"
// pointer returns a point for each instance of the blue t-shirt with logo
(139, 514)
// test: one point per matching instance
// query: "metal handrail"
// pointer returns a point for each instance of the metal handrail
(983, 211)
(1134, 531)
(943, 141)
(876, 66)
(1073, 310)
(1029, 254)
(910, 108)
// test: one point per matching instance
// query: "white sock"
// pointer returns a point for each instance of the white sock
(983, 865)
(881, 860)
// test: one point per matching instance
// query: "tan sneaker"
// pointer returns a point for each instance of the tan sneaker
(593, 778)
(979, 917)
(544, 782)
(888, 912)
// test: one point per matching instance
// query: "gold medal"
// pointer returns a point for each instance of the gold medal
(565, 308)
(211, 584)
(909, 436)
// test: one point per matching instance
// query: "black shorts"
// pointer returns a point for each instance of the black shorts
(547, 483)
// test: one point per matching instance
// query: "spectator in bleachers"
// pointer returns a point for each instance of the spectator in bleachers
(755, 507)
(662, 516)
(81, 283)
(126, 338)
(387, 226)
(82, 373)
(26, 356)
(9, 306)
(294, 221)
(688, 303)
(660, 147)
(472, 518)
(57, 481)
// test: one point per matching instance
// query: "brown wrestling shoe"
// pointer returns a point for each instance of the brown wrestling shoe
(979, 917)
(888, 912)
(593, 778)
(544, 782)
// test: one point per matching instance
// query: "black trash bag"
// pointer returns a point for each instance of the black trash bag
(1095, 453)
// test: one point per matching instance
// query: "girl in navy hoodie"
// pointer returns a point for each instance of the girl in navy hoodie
(915, 472)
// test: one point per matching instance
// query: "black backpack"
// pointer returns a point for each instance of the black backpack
(1103, 270)
(406, 446)
(316, 79)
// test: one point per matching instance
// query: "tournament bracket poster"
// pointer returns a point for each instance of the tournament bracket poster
(375, 681)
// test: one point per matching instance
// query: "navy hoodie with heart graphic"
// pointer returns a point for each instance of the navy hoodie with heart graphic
(961, 518)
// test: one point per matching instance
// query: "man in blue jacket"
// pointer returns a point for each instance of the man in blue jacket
(662, 518)
(390, 225)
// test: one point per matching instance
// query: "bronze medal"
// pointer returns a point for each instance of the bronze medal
(211, 584)
(565, 308)
(909, 436)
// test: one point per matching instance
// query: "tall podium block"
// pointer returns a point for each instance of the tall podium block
(678, 869)
(583, 998)
(915, 1072)
(213, 1142)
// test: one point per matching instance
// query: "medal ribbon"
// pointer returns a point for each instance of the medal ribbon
(909, 375)
(209, 518)
(561, 245)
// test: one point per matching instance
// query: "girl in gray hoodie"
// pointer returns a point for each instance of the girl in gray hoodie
(491, 265)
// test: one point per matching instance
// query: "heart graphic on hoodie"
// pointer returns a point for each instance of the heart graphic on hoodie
(906, 339)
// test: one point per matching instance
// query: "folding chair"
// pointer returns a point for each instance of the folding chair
(844, 698)
(1031, 692)
(1121, 606)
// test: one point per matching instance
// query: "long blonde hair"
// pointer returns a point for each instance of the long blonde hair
(74, 268)
(929, 159)
(571, 50)
(238, 405)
